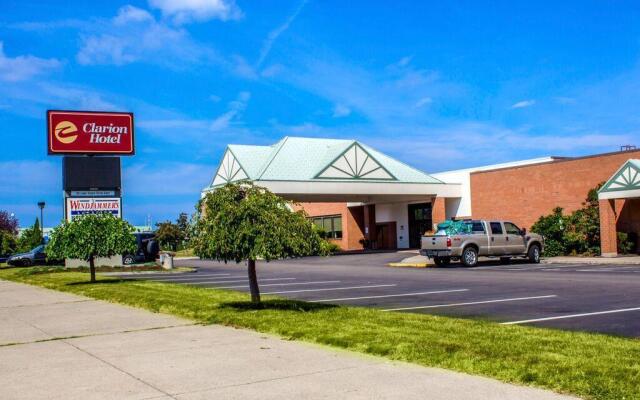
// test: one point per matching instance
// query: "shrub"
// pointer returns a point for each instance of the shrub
(626, 242)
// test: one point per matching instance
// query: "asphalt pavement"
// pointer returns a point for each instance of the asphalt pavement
(580, 297)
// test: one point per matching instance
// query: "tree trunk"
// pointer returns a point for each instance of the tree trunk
(253, 281)
(92, 268)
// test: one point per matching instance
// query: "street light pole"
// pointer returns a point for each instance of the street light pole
(41, 204)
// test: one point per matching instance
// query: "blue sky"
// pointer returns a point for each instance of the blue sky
(435, 84)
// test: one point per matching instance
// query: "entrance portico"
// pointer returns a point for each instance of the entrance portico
(387, 201)
(619, 201)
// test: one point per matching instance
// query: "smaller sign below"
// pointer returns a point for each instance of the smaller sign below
(78, 206)
(93, 193)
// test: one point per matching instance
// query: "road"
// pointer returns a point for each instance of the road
(592, 298)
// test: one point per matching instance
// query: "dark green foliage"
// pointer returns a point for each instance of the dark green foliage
(8, 243)
(169, 235)
(576, 233)
(247, 222)
(243, 222)
(30, 237)
(91, 236)
(626, 242)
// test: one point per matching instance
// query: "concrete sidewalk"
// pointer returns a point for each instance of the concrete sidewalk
(60, 346)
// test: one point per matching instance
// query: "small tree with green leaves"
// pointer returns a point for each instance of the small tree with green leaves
(243, 222)
(169, 235)
(30, 237)
(8, 243)
(91, 236)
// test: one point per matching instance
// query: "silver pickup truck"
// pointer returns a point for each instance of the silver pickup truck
(469, 239)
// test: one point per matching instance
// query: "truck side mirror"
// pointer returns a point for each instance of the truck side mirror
(523, 231)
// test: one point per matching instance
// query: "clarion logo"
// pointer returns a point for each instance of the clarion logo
(66, 132)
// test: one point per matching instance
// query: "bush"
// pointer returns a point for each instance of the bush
(576, 233)
(8, 243)
(330, 247)
(626, 242)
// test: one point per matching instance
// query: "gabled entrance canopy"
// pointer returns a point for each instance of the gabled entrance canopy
(328, 170)
(624, 184)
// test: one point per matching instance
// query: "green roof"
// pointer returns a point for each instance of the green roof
(311, 159)
(627, 177)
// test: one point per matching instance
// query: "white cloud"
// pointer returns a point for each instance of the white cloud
(423, 102)
(404, 61)
(134, 35)
(171, 178)
(340, 110)
(182, 11)
(274, 34)
(523, 104)
(236, 107)
(29, 177)
(22, 68)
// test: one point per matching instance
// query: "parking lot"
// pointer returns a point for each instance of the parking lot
(577, 297)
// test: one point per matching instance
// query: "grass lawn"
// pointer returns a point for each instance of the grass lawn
(588, 365)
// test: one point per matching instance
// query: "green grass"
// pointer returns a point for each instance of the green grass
(589, 365)
(185, 253)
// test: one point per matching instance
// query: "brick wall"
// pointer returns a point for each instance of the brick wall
(352, 220)
(523, 194)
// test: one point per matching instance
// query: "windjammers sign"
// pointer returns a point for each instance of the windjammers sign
(89, 132)
(78, 206)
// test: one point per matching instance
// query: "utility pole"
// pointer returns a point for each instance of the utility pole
(41, 204)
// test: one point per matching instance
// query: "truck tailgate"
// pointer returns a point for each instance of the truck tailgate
(432, 242)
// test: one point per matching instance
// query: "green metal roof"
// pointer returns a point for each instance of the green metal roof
(625, 178)
(307, 159)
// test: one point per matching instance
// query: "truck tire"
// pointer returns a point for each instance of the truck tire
(534, 254)
(442, 261)
(128, 259)
(470, 256)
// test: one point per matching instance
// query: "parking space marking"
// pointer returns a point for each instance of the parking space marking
(239, 280)
(188, 278)
(277, 284)
(325, 289)
(525, 321)
(470, 303)
(388, 295)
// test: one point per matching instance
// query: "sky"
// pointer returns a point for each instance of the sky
(438, 85)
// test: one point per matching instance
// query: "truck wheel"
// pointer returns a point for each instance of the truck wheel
(128, 260)
(470, 257)
(534, 254)
(442, 261)
(26, 262)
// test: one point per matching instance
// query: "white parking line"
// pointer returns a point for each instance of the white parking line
(277, 284)
(189, 278)
(473, 303)
(325, 289)
(525, 321)
(240, 280)
(389, 295)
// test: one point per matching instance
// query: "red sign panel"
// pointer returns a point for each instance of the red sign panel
(89, 132)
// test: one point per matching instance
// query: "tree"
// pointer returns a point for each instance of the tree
(8, 243)
(30, 237)
(184, 226)
(92, 236)
(169, 235)
(8, 223)
(243, 222)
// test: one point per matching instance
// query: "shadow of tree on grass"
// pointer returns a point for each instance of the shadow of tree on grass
(277, 304)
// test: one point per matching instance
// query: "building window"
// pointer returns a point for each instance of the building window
(332, 225)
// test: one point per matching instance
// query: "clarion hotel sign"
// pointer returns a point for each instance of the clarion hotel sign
(87, 132)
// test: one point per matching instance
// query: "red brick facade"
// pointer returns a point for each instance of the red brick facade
(352, 221)
(523, 194)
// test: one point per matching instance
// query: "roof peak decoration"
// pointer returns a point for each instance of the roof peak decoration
(229, 170)
(626, 178)
(355, 163)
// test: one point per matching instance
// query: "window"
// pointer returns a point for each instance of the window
(477, 227)
(332, 225)
(511, 228)
(496, 228)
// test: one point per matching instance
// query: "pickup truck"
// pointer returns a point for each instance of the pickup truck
(467, 240)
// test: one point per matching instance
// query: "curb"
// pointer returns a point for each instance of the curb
(410, 265)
